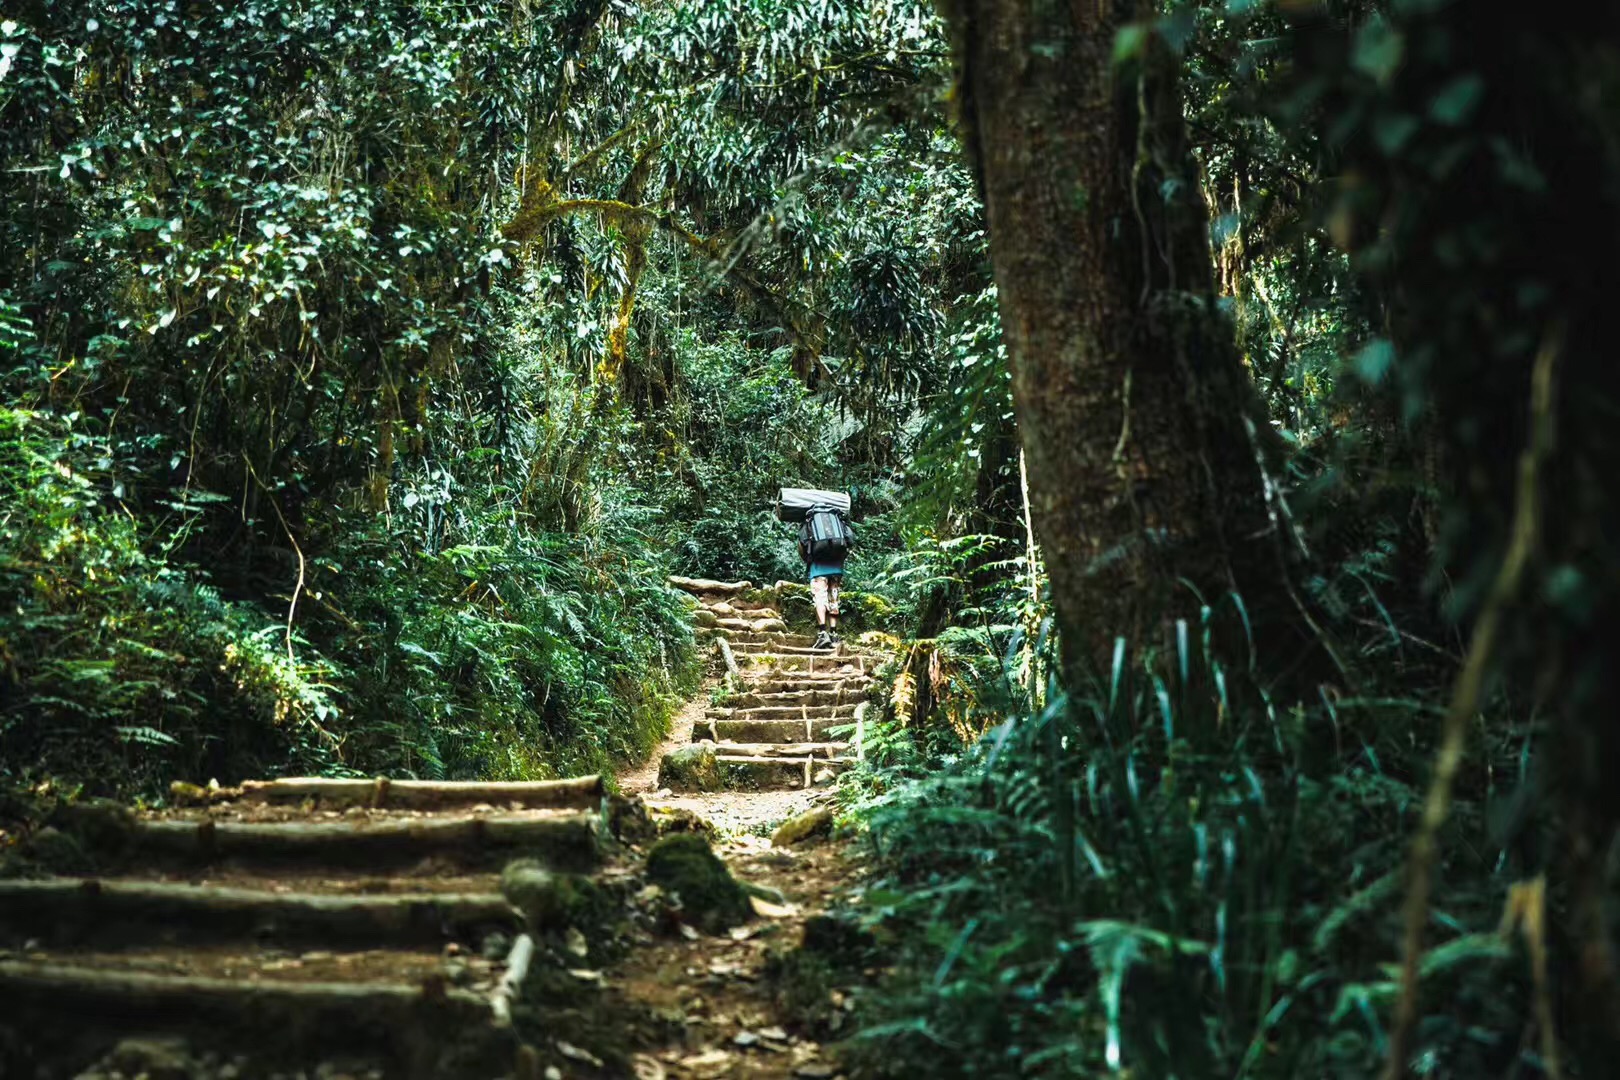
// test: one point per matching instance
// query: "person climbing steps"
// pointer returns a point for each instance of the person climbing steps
(825, 578)
(825, 538)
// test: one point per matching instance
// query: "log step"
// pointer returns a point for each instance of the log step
(707, 587)
(582, 793)
(83, 912)
(570, 841)
(415, 1027)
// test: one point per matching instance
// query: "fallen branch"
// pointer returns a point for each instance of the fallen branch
(510, 988)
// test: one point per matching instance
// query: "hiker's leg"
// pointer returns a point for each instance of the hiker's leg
(833, 585)
(818, 593)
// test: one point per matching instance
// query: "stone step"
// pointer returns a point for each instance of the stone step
(814, 663)
(768, 731)
(741, 639)
(779, 649)
(762, 625)
(565, 840)
(740, 609)
(798, 713)
(795, 699)
(819, 751)
(745, 771)
(773, 681)
(93, 912)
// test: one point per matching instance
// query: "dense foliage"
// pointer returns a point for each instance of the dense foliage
(367, 369)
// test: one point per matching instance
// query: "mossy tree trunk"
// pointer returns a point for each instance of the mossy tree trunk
(1131, 398)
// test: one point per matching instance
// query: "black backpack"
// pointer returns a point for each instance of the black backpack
(825, 536)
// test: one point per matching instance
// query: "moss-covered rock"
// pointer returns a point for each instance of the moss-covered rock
(711, 898)
(796, 830)
(552, 901)
(691, 768)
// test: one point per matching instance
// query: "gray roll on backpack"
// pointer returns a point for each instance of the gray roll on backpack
(795, 504)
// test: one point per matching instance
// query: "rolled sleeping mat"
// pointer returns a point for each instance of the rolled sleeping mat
(795, 504)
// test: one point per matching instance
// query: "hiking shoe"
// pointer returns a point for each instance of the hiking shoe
(824, 640)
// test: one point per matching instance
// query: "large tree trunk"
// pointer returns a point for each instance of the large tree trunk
(1131, 399)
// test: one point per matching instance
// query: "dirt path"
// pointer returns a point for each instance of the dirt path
(726, 1010)
(738, 1004)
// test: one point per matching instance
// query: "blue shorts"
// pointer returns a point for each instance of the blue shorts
(825, 570)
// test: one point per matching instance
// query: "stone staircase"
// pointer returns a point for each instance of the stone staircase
(296, 921)
(774, 726)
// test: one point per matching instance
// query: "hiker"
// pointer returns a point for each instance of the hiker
(824, 542)
(826, 576)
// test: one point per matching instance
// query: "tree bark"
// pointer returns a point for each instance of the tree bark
(1132, 403)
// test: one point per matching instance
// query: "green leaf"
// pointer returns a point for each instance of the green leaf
(1457, 100)
(1130, 42)
(1392, 131)
(1374, 360)
(1378, 51)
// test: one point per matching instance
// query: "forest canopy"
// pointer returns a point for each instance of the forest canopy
(1218, 384)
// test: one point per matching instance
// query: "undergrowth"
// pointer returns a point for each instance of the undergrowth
(1168, 873)
(514, 655)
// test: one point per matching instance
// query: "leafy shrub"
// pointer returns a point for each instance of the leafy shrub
(117, 665)
(1170, 874)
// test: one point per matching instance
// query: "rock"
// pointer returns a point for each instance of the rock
(156, 1059)
(691, 768)
(674, 819)
(684, 864)
(551, 901)
(630, 820)
(100, 828)
(54, 849)
(704, 617)
(795, 830)
(495, 946)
